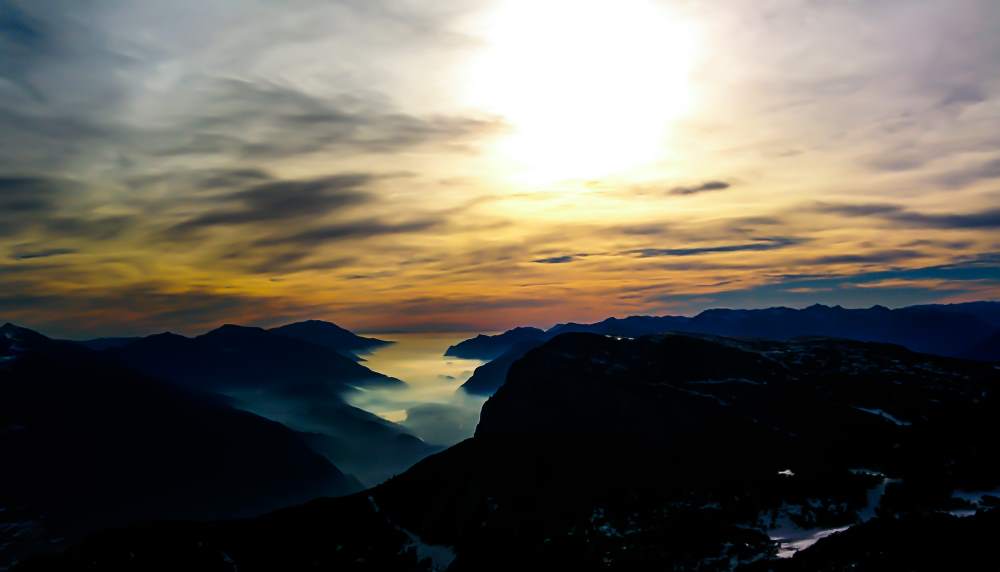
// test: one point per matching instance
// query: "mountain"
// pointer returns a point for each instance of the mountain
(945, 330)
(682, 452)
(489, 347)
(487, 378)
(928, 329)
(987, 350)
(88, 443)
(100, 344)
(632, 326)
(244, 358)
(958, 330)
(984, 310)
(330, 336)
(297, 383)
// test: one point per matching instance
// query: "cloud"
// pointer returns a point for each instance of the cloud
(868, 209)
(563, 259)
(144, 308)
(984, 219)
(53, 206)
(759, 244)
(704, 187)
(959, 178)
(280, 202)
(648, 229)
(965, 94)
(878, 257)
(28, 194)
(43, 253)
(977, 276)
(364, 228)
(253, 120)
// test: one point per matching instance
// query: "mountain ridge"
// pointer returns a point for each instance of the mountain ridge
(951, 330)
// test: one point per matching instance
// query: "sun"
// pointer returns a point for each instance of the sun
(589, 87)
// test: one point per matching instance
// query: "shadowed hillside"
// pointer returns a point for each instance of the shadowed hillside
(679, 452)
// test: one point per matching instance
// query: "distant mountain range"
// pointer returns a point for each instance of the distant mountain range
(970, 330)
(330, 336)
(677, 452)
(243, 358)
(317, 332)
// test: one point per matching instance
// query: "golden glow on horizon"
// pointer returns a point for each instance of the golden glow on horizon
(489, 163)
(588, 87)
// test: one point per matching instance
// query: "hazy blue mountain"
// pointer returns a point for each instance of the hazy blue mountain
(632, 326)
(944, 330)
(298, 383)
(988, 311)
(489, 347)
(987, 350)
(241, 358)
(329, 335)
(668, 452)
(88, 443)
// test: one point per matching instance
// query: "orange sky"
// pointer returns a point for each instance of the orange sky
(478, 165)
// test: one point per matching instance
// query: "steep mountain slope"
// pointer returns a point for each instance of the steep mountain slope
(294, 382)
(672, 452)
(87, 443)
(489, 347)
(329, 335)
(487, 378)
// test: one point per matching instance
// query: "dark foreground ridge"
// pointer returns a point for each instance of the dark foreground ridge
(668, 452)
(88, 444)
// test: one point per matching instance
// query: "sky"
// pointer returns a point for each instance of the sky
(480, 164)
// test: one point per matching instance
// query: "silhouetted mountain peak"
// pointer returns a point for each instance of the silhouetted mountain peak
(232, 330)
(330, 335)
(489, 347)
(317, 324)
(22, 336)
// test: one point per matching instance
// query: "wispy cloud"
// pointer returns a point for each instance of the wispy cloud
(757, 245)
(702, 188)
(983, 219)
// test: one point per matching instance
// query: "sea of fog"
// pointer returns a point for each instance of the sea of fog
(430, 405)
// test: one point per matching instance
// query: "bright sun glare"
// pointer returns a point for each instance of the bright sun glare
(589, 87)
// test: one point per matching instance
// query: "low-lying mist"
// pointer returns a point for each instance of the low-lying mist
(430, 405)
(375, 433)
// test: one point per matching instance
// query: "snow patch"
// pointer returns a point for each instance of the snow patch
(974, 498)
(441, 556)
(792, 538)
(884, 415)
(727, 381)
